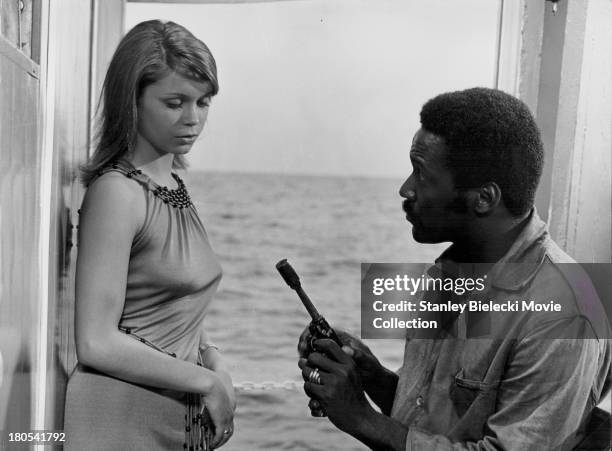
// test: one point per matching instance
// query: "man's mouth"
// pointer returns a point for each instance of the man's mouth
(406, 206)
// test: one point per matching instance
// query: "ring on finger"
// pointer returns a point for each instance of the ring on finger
(314, 376)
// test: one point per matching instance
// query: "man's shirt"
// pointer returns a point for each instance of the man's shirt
(511, 380)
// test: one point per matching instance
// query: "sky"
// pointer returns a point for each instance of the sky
(330, 87)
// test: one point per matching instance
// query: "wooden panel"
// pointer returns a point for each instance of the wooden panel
(26, 27)
(509, 46)
(532, 32)
(567, 81)
(588, 229)
(575, 114)
(19, 226)
(20, 207)
(70, 38)
(548, 100)
(36, 38)
(16, 23)
(9, 20)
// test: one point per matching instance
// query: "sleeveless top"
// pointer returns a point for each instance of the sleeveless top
(172, 277)
(173, 272)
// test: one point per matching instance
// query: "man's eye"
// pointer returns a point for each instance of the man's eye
(204, 103)
(173, 105)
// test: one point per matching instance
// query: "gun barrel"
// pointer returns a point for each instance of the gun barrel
(314, 314)
(288, 274)
(293, 280)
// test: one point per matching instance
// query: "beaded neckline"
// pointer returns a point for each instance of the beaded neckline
(177, 197)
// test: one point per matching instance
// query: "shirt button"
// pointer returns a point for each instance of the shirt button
(420, 401)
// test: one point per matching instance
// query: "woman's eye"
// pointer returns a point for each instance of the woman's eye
(204, 103)
(173, 105)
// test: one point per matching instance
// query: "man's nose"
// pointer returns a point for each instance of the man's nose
(407, 190)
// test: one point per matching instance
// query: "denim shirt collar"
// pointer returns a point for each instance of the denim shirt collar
(515, 270)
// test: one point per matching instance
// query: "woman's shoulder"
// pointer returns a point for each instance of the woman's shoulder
(114, 184)
(114, 193)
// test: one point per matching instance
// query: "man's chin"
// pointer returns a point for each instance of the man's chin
(419, 239)
(423, 238)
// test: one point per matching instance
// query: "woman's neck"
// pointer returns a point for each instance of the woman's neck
(156, 166)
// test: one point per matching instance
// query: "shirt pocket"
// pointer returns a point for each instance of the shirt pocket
(473, 396)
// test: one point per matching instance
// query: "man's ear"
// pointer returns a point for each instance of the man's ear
(487, 198)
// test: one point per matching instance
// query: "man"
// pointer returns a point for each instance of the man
(527, 381)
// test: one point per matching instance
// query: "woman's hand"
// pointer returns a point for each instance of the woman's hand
(221, 410)
(226, 380)
(211, 358)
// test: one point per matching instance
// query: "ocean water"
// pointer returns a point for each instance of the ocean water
(325, 227)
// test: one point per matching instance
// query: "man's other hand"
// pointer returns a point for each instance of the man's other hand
(339, 391)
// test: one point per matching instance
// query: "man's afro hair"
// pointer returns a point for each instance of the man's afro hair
(491, 137)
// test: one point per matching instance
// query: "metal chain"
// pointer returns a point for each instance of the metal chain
(269, 385)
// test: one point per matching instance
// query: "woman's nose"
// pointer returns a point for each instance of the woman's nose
(191, 116)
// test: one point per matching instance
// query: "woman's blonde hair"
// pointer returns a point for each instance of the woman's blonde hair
(147, 53)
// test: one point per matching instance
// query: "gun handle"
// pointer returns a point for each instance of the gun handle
(318, 329)
(317, 412)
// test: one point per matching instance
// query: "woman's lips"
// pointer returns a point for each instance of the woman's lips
(187, 139)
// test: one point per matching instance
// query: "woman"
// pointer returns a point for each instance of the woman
(145, 270)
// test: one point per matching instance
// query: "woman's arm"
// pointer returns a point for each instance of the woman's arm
(211, 356)
(110, 217)
(213, 360)
(113, 210)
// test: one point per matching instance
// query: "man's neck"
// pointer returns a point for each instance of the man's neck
(489, 240)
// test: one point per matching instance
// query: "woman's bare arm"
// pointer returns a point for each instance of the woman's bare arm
(112, 212)
(212, 359)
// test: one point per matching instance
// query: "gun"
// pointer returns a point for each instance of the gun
(318, 327)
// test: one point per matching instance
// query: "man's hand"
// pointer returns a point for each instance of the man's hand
(340, 391)
(377, 381)
(368, 366)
